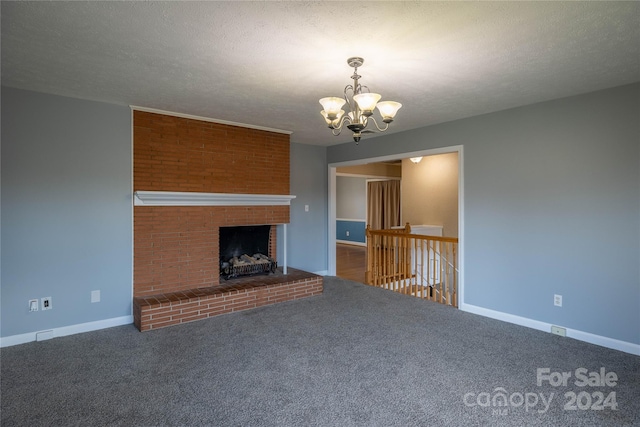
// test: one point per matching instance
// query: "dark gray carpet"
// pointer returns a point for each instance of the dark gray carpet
(354, 356)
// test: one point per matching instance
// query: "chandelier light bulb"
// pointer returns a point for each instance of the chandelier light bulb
(388, 110)
(367, 102)
(332, 106)
(332, 123)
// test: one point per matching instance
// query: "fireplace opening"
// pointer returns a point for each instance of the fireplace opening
(245, 251)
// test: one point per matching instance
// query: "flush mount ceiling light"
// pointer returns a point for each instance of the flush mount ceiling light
(361, 103)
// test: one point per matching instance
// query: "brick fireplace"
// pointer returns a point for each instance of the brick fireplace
(197, 176)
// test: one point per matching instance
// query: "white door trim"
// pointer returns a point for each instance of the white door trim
(332, 204)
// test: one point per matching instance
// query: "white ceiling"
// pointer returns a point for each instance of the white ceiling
(268, 63)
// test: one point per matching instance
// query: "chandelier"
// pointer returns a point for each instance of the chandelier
(361, 103)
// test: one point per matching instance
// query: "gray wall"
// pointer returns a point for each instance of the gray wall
(307, 232)
(66, 210)
(551, 206)
(351, 197)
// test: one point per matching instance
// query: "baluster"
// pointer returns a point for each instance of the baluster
(417, 268)
(454, 258)
(447, 300)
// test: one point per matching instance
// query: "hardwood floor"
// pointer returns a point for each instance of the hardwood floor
(351, 262)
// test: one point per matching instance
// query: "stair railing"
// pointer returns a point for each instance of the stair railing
(413, 264)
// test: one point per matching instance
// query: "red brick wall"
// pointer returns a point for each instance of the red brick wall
(176, 248)
(178, 154)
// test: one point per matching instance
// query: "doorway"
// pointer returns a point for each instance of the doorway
(349, 254)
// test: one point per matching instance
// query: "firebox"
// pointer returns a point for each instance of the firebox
(245, 251)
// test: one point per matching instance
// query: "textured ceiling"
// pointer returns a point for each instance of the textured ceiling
(268, 63)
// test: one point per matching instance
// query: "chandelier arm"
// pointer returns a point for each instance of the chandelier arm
(381, 129)
(354, 109)
(343, 120)
(348, 98)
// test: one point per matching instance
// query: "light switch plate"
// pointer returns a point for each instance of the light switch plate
(95, 296)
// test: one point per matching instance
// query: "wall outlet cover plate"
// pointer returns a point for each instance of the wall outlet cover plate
(44, 335)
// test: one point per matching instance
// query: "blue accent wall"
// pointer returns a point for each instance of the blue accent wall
(356, 230)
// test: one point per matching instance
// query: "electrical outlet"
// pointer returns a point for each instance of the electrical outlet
(46, 303)
(44, 335)
(557, 300)
(347, 234)
(33, 305)
(306, 208)
(557, 330)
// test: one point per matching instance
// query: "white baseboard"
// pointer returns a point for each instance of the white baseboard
(65, 330)
(349, 242)
(612, 343)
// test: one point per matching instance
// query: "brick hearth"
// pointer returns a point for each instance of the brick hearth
(173, 308)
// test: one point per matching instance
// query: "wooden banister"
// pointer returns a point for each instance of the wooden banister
(414, 264)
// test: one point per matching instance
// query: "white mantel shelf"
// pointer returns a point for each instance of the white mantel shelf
(177, 198)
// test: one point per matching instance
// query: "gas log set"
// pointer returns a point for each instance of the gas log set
(235, 245)
(246, 265)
